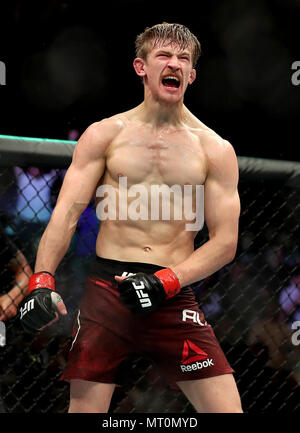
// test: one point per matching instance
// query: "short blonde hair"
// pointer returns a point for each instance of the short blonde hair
(161, 33)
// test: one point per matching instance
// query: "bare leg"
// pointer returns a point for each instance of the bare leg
(90, 397)
(213, 395)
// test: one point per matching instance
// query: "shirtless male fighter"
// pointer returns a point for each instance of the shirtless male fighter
(153, 311)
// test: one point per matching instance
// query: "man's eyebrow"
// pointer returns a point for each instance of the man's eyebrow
(185, 53)
(166, 51)
(163, 51)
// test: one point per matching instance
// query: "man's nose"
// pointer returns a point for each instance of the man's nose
(173, 63)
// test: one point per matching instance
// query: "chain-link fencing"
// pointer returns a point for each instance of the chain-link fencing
(253, 303)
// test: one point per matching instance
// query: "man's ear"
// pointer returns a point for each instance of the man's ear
(192, 76)
(139, 67)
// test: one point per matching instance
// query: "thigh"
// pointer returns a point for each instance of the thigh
(217, 394)
(90, 397)
(96, 354)
(102, 336)
(183, 344)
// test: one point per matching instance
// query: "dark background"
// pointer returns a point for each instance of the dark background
(69, 63)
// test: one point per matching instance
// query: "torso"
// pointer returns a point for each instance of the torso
(146, 156)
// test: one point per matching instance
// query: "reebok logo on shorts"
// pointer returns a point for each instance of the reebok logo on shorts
(191, 353)
(194, 358)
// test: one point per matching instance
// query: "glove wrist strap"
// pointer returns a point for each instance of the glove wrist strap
(41, 280)
(170, 281)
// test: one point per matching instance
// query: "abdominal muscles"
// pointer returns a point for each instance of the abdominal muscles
(165, 243)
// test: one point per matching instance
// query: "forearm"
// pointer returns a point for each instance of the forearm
(204, 261)
(54, 244)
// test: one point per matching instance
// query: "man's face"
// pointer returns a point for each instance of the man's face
(167, 72)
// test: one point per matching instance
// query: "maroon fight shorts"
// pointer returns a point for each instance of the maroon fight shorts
(176, 336)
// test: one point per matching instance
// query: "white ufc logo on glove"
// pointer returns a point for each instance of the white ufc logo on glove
(143, 297)
(27, 307)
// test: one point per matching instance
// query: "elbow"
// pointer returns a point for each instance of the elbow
(230, 251)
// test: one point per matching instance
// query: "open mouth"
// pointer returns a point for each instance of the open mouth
(171, 81)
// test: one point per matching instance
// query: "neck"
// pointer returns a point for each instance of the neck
(160, 114)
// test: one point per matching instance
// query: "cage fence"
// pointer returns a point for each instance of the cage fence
(253, 303)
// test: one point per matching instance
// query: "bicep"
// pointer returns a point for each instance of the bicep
(79, 185)
(221, 198)
(82, 176)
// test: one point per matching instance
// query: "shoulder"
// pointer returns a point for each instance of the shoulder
(222, 163)
(214, 146)
(98, 136)
(218, 149)
(220, 157)
(219, 153)
(105, 129)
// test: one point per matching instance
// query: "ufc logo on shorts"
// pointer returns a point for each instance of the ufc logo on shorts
(27, 307)
(192, 315)
(127, 274)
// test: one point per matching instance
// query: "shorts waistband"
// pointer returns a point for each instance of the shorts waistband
(107, 268)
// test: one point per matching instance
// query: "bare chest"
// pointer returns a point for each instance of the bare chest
(169, 157)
